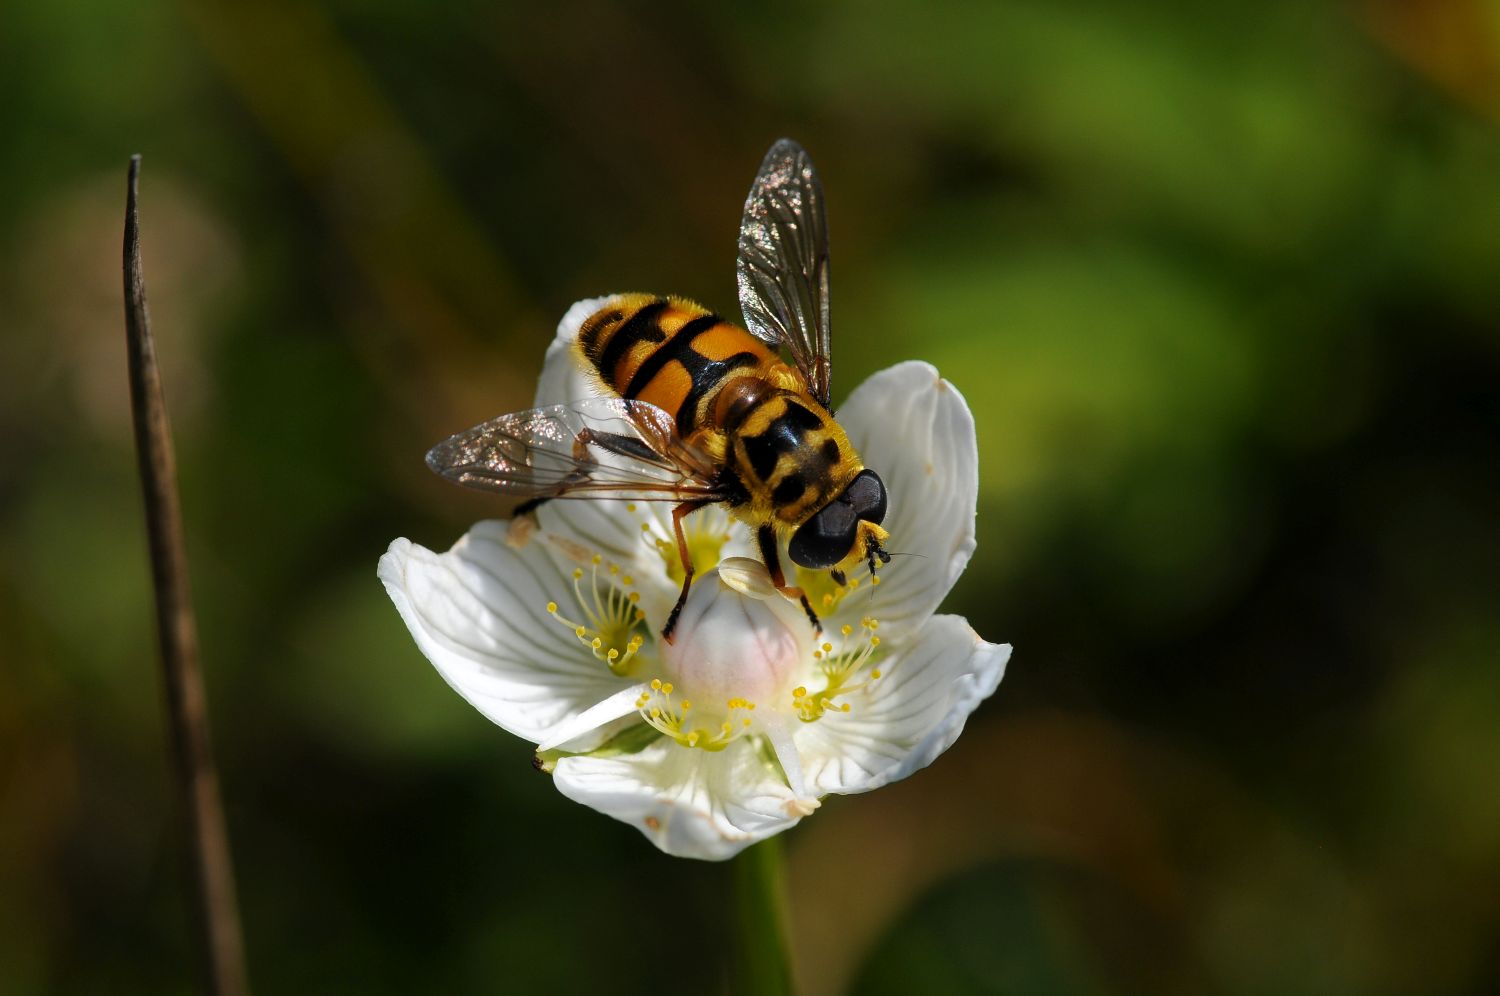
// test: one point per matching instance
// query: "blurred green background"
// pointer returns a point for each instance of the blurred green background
(1219, 280)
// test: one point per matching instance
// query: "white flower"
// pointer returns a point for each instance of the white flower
(737, 729)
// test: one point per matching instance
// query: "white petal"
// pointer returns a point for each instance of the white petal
(909, 716)
(914, 429)
(617, 706)
(479, 614)
(690, 803)
(563, 377)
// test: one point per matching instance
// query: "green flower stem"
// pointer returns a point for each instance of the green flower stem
(764, 963)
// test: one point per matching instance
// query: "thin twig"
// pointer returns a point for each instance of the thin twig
(187, 708)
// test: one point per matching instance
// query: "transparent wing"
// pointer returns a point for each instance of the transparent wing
(598, 448)
(783, 262)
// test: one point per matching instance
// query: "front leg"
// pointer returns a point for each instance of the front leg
(765, 536)
(678, 514)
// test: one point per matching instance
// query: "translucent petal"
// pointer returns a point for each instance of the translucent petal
(479, 614)
(914, 429)
(690, 803)
(910, 715)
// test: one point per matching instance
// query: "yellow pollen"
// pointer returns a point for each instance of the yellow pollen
(669, 716)
(704, 532)
(843, 669)
(875, 579)
(610, 615)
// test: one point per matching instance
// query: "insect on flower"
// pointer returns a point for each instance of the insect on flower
(737, 728)
(700, 412)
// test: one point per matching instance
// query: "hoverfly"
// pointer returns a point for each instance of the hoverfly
(699, 412)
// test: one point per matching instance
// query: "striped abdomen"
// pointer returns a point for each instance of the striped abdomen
(784, 450)
(669, 352)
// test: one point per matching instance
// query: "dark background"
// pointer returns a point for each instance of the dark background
(1218, 279)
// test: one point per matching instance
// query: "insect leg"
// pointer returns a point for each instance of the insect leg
(678, 514)
(583, 457)
(765, 536)
(529, 506)
(627, 446)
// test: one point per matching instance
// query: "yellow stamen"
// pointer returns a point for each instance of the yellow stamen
(610, 615)
(671, 718)
(841, 668)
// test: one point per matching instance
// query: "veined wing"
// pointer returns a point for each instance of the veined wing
(598, 448)
(783, 262)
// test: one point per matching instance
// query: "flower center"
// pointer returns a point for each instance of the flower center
(822, 590)
(706, 532)
(842, 669)
(713, 730)
(614, 628)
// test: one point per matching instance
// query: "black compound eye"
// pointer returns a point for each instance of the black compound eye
(826, 538)
(867, 494)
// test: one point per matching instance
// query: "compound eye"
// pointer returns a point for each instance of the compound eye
(826, 538)
(867, 494)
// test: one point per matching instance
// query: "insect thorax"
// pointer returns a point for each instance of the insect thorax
(790, 454)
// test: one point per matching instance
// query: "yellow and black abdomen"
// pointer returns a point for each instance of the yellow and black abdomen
(784, 451)
(670, 352)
